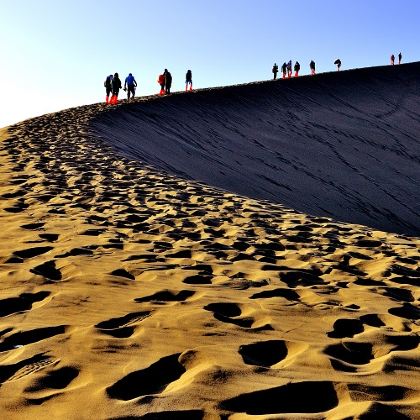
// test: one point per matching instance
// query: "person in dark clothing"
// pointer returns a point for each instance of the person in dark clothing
(116, 86)
(168, 81)
(297, 68)
(289, 69)
(283, 70)
(399, 58)
(188, 80)
(130, 85)
(275, 70)
(312, 67)
(108, 87)
(338, 64)
(392, 59)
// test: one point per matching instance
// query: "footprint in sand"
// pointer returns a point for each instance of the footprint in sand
(347, 356)
(151, 380)
(264, 353)
(55, 379)
(407, 311)
(170, 415)
(21, 303)
(32, 252)
(167, 296)
(33, 226)
(24, 367)
(121, 327)
(198, 279)
(346, 328)
(288, 294)
(298, 397)
(48, 270)
(50, 237)
(122, 273)
(28, 337)
(230, 313)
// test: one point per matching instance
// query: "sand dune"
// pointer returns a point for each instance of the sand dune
(340, 145)
(128, 292)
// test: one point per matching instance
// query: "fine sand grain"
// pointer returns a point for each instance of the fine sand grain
(128, 292)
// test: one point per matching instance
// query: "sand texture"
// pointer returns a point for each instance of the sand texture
(130, 290)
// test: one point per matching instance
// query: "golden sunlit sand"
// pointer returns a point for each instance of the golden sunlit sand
(126, 291)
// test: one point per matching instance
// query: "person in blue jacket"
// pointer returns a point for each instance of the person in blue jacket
(130, 85)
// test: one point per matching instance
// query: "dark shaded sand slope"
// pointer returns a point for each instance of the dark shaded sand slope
(129, 293)
(340, 145)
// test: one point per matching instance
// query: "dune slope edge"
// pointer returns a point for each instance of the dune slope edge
(343, 145)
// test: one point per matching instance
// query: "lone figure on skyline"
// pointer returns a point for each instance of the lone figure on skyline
(188, 80)
(338, 64)
(392, 59)
(399, 58)
(312, 67)
(130, 85)
(275, 70)
(297, 68)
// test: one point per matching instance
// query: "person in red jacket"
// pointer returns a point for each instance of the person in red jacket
(161, 81)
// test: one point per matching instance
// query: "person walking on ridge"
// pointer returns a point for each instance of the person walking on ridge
(108, 87)
(392, 59)
(283, 70)
(275, 70)
(161, 81)
(188, 80)
(289, 69)
(116, 86)
(338, 64)
(297, 68)
(168, 81)
(399, 58)
(130, 85)
(312, 67)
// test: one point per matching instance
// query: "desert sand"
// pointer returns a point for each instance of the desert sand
(131, 288)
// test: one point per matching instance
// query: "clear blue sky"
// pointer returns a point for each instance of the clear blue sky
(56, 53)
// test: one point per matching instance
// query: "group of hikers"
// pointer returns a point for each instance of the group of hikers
(286, 68)
(393, 58)
(113, 85)
(165, 82)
